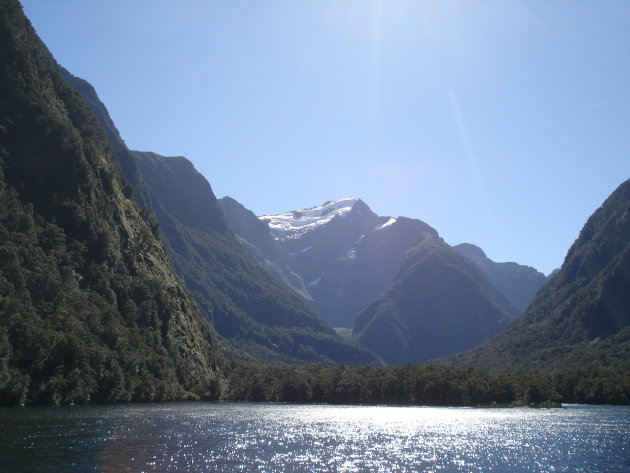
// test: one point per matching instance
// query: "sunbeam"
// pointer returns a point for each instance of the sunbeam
(471, 158)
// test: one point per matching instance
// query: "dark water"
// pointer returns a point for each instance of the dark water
(199, 437)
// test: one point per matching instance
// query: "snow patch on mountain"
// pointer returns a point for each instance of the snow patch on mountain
(297, 222)
(391, 221)
(315, 282)
(304, 250)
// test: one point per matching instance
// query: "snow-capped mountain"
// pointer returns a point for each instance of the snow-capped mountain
(295, 223)
(330, 248)
(345, 253)
(387, 278)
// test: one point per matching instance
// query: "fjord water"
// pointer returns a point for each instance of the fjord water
(196, 437)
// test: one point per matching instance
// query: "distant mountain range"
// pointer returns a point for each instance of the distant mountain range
(407, 295)
(518, 283)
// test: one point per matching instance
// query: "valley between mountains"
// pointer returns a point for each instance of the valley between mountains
(123, 278)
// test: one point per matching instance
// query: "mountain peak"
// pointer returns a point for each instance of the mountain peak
(295, 223)
(470, 250)
(361, 208)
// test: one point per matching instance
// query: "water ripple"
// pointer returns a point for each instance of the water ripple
(292, 438)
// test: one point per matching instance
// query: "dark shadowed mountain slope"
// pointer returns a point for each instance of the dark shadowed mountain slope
(256, 240)
(356, 277)
(582, 314)
(439, 303)
(90, 309)
(518, 283)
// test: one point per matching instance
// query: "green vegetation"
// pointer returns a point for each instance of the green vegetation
(582, 314)
(418, 384)
(92, 311)
(89, 307)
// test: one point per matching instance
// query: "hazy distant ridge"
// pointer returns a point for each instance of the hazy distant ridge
(582, 314)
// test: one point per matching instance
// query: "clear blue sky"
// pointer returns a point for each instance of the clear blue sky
(502, 123)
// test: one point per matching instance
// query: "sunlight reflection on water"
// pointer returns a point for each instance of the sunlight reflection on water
(293, 438)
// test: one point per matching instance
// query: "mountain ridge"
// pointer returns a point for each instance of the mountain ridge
(256, 239)
(356, 264)
(582, 307)
(517, 282)
(417, 318)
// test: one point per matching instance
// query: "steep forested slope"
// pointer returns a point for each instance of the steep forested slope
(89, 306)
(583, 313)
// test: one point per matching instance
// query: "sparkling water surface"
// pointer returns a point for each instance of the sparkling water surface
(198, 437)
